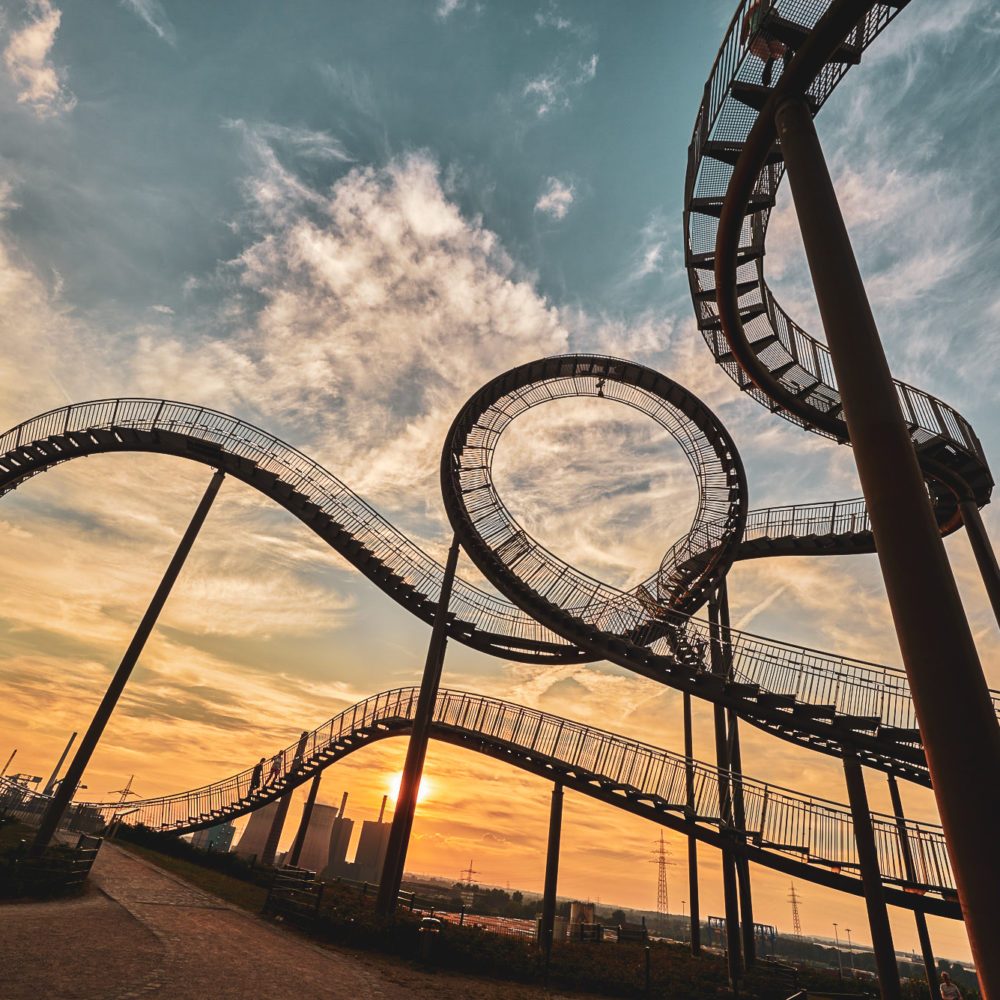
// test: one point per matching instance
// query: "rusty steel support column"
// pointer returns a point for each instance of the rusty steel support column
(53, 814)
(742, 864)
(871, 879)
(930, 968)
(300, 836)
(416, 750)
(277, 824)
(729, 882)
(692, 839)
(736, 784)
(957, 720)
(986, 558)
(551, 872)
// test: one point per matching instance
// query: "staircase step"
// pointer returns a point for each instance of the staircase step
(709, 294)
(793, 35)
(713, 206)
(729, 152)
(771, 699)
(861, 723)
(807, 711)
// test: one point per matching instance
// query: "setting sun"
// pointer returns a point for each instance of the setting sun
(426, 787)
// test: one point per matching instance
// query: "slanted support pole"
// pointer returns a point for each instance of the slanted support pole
(551, 871)
(986, 558)
(416, 750)
(736, 783)
(742, 864)
(930, 967)
(871, 879)
(957, 719)
(729, 882)
(53, 814)
(278, 823)
(692, 839)
(300, 836)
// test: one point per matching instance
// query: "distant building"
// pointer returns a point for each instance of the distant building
(371, 850)
(216, 838)
(340, 838)
(315, 851)
(251, 844)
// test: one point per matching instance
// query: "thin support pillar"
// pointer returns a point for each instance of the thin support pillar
(729, 881)
(742, 864)
(551, 871)
(300, 836)
(956, 716)
(692, 839)
(416, 751)
(736, 785)
(50, 784)
(871, 879)
(930, 967)
(277, 824)
(53, 814)
(986, 558)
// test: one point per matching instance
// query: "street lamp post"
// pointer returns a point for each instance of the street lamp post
(850, 952)
(840, 964)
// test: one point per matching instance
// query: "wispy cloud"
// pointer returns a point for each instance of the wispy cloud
(556, 89)
(40, 85)
(446, 8)
(556, 198)
(155, 17)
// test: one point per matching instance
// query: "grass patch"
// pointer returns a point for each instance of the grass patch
(240, 893)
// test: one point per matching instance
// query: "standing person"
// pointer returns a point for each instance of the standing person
(760, 42)
(949, 991)
(256, 775)
(276, 768)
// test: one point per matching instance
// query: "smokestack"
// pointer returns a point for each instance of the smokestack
(381, 811)
(343, 806)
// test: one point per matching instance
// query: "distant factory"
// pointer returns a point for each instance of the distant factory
(325, 845)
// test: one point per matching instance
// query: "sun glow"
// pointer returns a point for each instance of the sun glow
(426, 787)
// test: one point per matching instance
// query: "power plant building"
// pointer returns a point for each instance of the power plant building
(317, 842)
(251, 844)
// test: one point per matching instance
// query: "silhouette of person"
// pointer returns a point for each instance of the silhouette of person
(949, 991)
(759, 41)
(275, 771)
(256, 775)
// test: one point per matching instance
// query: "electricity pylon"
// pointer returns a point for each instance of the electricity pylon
(795, 899)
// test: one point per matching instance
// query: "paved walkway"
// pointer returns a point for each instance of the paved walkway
(140, 932)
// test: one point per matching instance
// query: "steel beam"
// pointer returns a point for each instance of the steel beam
(871, 878)
(720, 666)
(930, 968)
(47, 790)
(280, 814)
(74, 773)
(416, 750)
(956, 716)
(692, 839)
(986, 558)
(300, 835)
(551, 871)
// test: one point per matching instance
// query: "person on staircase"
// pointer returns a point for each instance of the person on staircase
(760, 42)
(277, 766)
(256, 775)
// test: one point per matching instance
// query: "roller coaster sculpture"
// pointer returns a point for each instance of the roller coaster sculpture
(552, 613)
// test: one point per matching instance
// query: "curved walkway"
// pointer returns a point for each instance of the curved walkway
(146, 933)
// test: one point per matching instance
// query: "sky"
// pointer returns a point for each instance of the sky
(337, 220)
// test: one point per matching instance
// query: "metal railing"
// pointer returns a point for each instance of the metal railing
(777, 820)
(800, 363)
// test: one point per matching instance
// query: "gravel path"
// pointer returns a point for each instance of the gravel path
(140, 932)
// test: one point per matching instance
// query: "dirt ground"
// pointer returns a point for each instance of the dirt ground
(141, 932)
